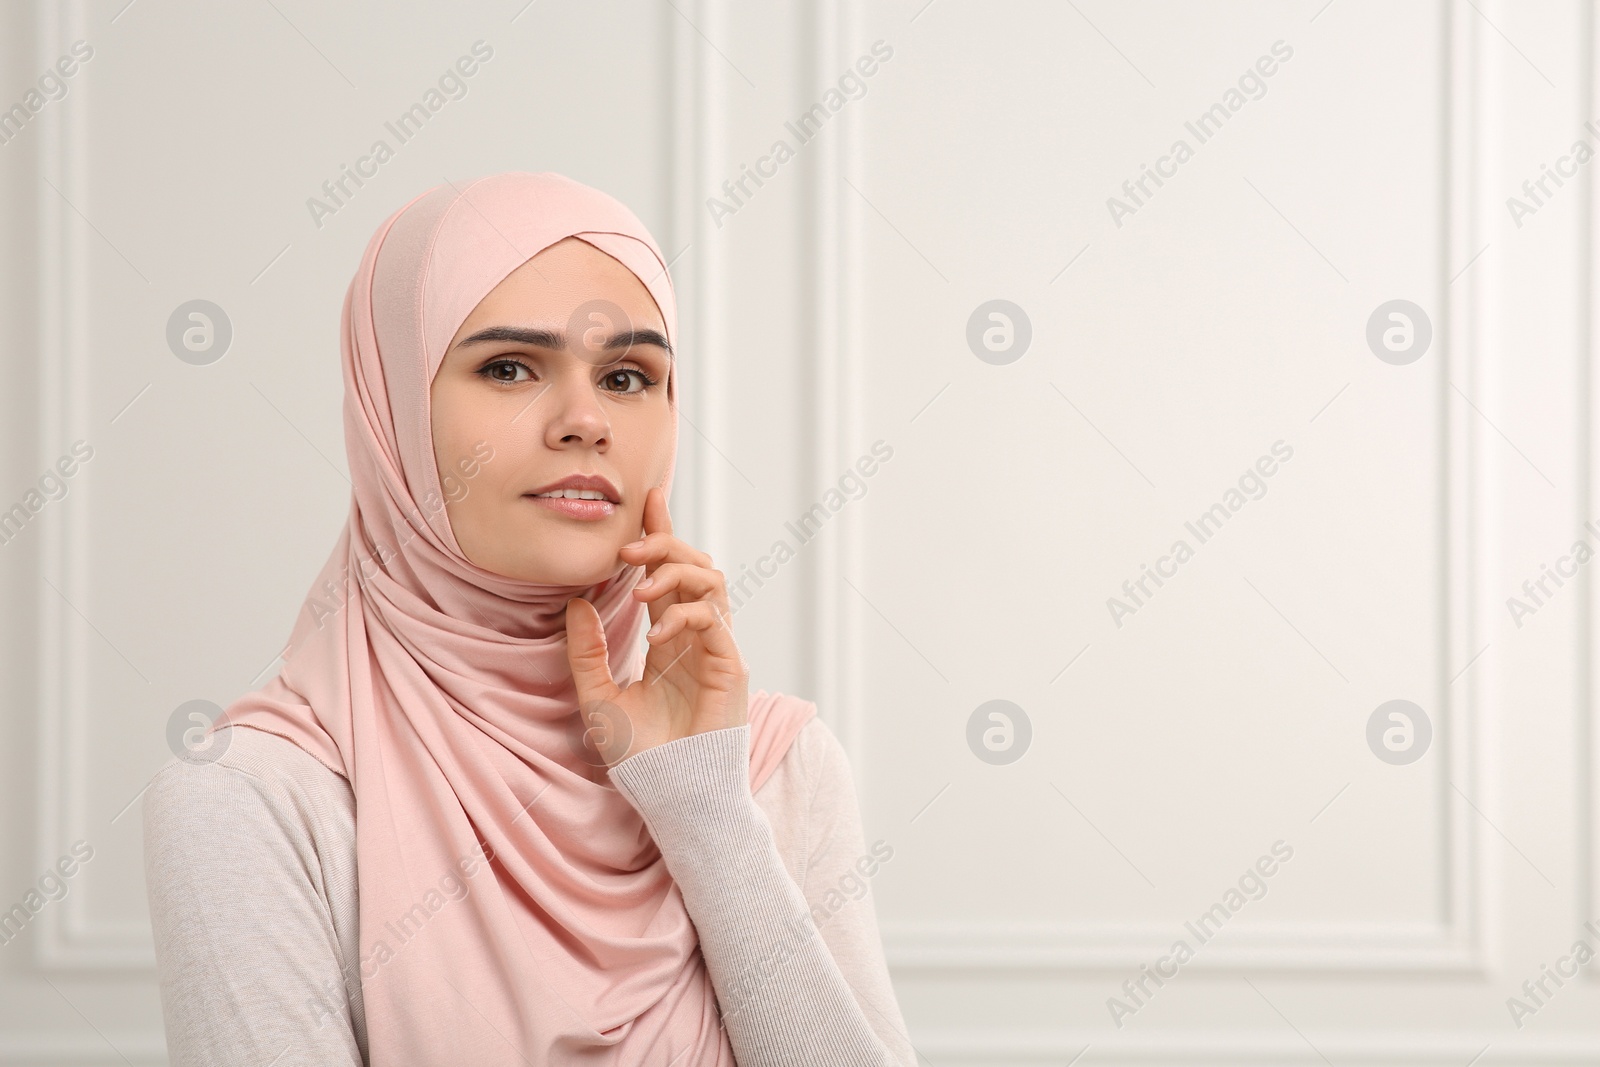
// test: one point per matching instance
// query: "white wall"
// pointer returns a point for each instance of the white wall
(1171, 746)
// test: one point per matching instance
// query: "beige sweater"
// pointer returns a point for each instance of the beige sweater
(250, 863)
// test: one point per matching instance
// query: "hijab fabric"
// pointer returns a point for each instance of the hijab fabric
(513, 906)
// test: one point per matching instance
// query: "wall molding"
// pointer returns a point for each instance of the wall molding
(1587, 738)
(1455, 945)
(66, 935)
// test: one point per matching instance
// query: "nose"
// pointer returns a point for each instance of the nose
(576, 418)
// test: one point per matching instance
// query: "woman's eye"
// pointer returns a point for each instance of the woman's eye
(623, 380)
(505, 370)
(618, 381)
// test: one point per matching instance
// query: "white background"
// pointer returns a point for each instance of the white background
(828, 312)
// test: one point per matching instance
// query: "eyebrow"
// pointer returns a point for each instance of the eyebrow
(541, 338)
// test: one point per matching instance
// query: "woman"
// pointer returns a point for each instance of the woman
(570, 847)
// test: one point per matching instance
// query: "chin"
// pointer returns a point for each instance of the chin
(547, 551)
(565, 557)
(539, 571)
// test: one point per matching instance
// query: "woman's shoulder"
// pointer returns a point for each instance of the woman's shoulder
(250, 785)
(814, 757)
(250, 873)
(802, 797)
(258, 828)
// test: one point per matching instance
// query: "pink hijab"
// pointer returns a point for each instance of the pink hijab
(513, 909)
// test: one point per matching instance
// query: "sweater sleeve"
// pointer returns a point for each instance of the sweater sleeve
(785, 999)
(252, 908)
(838, 886)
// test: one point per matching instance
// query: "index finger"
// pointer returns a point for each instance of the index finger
(657, 517)
(652, 550)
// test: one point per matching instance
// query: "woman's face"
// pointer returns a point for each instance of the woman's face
(560, 372)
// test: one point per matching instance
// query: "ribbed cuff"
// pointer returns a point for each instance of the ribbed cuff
(692, 787)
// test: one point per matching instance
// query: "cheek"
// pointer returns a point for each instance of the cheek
(647, 447)
(465, 423)
(449, 416)
(463, 433)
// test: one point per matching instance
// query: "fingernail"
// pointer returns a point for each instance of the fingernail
(654, 630)
(633, 544)
(645, 584)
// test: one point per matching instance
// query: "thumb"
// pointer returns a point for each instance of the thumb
(586, 653)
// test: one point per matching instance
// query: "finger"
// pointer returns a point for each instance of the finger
(586, 653)
(660, 547)
(703, 619)
(688, 581)
(657, 516)
(656, 521)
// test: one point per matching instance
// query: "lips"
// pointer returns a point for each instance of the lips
(579, 487)
(584, 510)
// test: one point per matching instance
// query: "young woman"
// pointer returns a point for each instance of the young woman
(574, 844)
